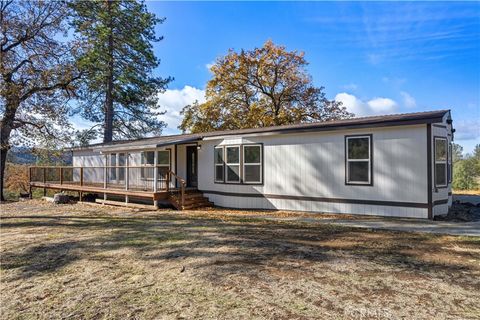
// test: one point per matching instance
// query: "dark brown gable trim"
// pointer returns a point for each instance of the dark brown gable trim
(429, 171)
(320, 199)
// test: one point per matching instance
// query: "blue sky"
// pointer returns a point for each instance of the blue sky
(375, 57)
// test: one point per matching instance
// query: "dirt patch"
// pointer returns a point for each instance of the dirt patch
(90, 261)
(461, 212)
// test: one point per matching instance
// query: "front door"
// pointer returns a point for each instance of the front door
(192, 177)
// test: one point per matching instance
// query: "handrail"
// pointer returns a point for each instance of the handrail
(183, 184)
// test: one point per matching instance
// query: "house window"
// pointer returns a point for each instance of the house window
(450, 166)
(358, 160)
(121, 166)
(252, 163)
(148, 161)
(113, 166)
(232, 164)
(148, 164)
(163, 163)
(441, 155)
(219, 164)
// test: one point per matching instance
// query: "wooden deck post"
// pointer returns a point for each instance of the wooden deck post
(105, 178)
(155, 171)
(61, 175)
(105, 175)
(81, 176)
(127, 164)
(44, 181)
(30, 182)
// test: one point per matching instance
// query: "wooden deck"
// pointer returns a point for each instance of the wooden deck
(79, 179)
(159, 195)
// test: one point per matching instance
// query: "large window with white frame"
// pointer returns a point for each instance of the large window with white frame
(358, 160)
(163, 163)
(148, 164)
(232, 164)
(252, 163)
(117, 166)
(441, 157)
(219, 164)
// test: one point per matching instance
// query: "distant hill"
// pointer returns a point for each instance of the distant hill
(24, 155)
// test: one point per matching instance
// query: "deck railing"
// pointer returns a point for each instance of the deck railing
(133, 178)
(170, 177)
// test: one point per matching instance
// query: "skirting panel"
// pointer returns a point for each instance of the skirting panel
(318, 206)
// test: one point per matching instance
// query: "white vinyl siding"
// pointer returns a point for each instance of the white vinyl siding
(313, 165)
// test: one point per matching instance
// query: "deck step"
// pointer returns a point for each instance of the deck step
(193, 199)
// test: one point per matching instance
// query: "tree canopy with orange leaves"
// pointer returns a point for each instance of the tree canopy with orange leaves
(262, 87)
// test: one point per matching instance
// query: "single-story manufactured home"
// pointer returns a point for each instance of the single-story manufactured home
(394, 165)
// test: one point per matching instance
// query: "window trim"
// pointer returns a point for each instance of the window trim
(450, 162)
(116, 168)
(241, 173)
(239, 164)
(215, 165)
(370, 161)
(252, 164)
(439, 186)
(145, 165)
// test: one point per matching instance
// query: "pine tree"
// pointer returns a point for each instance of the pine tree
(119, 92)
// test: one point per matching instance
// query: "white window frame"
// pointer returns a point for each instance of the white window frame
(144, 165)
(155, 163)
(222, 148)
(168, 166)
(115, 168)
(260, 164)
(348, 160)
(121, 167)
(227, 164)
(450, 161)
(440, 161)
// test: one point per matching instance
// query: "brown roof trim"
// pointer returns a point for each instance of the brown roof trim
(354, 123)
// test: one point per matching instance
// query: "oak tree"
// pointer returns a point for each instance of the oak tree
(37, 74)
(259, 88)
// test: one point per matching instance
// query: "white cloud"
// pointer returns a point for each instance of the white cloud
(467, 129)
(173, 101)
(365, 108)
(408, 100)
(382, 105)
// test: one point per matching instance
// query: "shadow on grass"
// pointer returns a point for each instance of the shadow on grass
(249, 244)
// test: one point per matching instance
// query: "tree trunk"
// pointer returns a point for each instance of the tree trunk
(108, 130)
(6, 126)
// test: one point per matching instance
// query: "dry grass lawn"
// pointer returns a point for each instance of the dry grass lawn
(92, 262)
